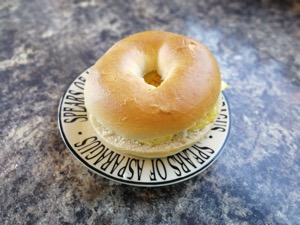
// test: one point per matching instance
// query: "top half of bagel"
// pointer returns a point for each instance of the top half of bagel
(119, 97)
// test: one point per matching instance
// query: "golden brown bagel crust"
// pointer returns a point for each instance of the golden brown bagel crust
(118, 97)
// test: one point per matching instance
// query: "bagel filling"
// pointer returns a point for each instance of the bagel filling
(153, 78)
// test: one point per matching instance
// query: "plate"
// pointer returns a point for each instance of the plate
(80, 138)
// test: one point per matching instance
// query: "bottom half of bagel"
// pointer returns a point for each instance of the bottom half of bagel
(159, 147)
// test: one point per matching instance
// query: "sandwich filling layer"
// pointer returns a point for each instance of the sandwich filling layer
(200, 128)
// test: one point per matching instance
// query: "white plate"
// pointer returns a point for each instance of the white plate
(82, 141)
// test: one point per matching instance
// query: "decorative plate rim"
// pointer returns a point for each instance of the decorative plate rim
(199, 170)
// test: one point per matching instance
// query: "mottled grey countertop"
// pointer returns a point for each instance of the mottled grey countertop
(44, 45)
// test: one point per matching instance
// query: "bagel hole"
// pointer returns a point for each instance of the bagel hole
(153, 78)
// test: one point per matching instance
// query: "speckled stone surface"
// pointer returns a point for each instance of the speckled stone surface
(44, 45)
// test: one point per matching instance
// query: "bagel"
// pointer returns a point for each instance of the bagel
(153, 94)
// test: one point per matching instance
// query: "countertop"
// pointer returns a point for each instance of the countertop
(45, 45)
